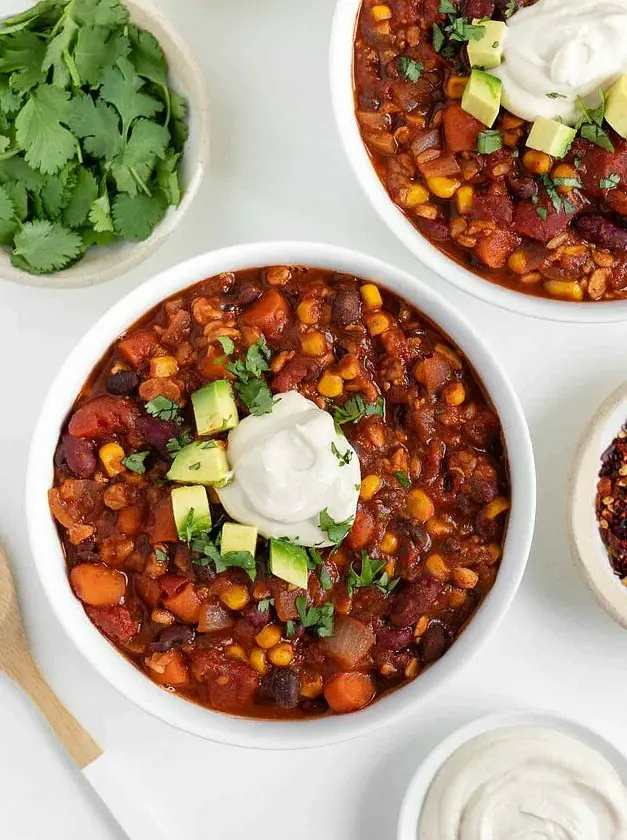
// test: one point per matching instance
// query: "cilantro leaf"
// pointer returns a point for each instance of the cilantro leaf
(610, 182)
(250, 387)
(227, 344)
(265, 604)
(134, 217)
(410, 69)
(256, 396)
(555, 95)
(369, 570)
(8, 221)
(83, 194)
(96, 49)
(335, 531)
(403, 479)
(48, 144)
(121, 87)
(168, 177)
(195, 529)
(97, 124)
(354, 409)
(109, 13)
(343, 458)
(44, 247)
(319, 619)
(135, 462)
(175, 445)
(438, 38)
(164, 409)
(133, 166)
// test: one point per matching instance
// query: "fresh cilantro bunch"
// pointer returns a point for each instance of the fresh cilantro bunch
(91, 135)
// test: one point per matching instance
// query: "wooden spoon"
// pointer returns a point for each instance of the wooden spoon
(16, 661)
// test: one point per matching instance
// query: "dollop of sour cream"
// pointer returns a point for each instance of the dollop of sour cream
(288, 466)
(525, 782)
(555, 51)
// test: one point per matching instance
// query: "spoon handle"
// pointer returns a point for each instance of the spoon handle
(79, 743)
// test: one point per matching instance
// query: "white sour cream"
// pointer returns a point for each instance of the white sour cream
(288, 466)
(568, 47)
(525, 783)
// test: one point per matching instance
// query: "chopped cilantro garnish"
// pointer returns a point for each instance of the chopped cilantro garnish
(402, 478)
(354, 409)
(227, 344)
(542, 212)
(335, 531)
(555, 95)
(610, 182)
(366, 577)
(590, 123)
(387, 584)
(410, 69)
(512, 6)
(343, 459)
(290, 629)
(265, 604)
(489, 141)
(438, 38)
(164, 409)
(202, 543)
(135, 462)
(195, 529)
(161, 556)
(325, 578)
(250, 387)
(447, 8)
(319, 619)
(567, 182)
(175, 445)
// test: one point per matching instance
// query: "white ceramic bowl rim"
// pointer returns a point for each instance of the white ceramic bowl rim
(414, 798)
(121, 673)
(343, 98)
(589, 552)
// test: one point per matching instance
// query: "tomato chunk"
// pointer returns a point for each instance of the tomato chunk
(103, 416)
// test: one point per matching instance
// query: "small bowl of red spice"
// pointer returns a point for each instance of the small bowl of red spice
(598, 509)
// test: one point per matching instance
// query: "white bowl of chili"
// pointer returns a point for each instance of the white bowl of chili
(588, 549)
(49, 558)
(346, 25)
(102, 262)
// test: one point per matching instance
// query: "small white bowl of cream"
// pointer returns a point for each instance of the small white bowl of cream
(518, 775)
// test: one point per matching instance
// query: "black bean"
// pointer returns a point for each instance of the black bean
(174, 636)
(435, 641)
(347, 305)
(283, 686)
(124, 383)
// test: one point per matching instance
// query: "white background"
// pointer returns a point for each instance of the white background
(278, 172)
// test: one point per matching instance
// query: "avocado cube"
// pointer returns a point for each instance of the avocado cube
(482, 97)
(190, 506)
(214, 408)
(237, 537)
(616, 106)
(550, 136)
(487, 52)
(288, 562)
(201, 463)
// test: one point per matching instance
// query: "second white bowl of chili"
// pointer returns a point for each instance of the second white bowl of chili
(295, 732)
(396, 73)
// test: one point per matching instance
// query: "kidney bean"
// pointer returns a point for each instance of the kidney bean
(255, 617)
(283, 686)
(602, 232)
(434, 228)
(435, 641)
(394, 639)
(347, 305)
(156, 432)
(124, 383)
(247, 292)
(80, 456)
(297, 370)
(417, 598)
(174, 636)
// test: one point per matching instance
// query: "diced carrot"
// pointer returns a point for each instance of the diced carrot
(210, 367)
(185, 604)
(349, 692)
(495, 248)
(163, 529)
(268, 314)
(138, 347)
(362, 529)
(98, 585)
(460, 129)
(175, 670)
(130, 519)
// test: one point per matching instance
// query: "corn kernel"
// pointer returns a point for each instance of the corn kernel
(308, 311)
(235, 597)
(457, 597)
(564, 170)
(518, 262)
(348, 367)
(411, 669)
(371, 296)
(389, 543)
(236, 652)
(437, 527)
(378, 323)
(162, 366)
(281, 655)
(420, 505)
(567, 289)
(369, 486)
(380, 13)
(464, 198)
(456, 86)
(390, 568)
(421, 625)
(454, 393)
(416, 195)
(268, 637)
(112, 455)
(537, 162)
(496, 507)
(313, 343)
(443, 187)
(311, 686)
(258, 661)
(330, 385)
(465, 578)
(435, 564)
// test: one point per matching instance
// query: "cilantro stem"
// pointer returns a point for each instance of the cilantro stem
(140, 183)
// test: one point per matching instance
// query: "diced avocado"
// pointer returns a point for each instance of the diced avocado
(214, 408)
(482, 97)
(201, 463)
(289, 562)
(550, 136)
(237, 537)
(616, 106)
(185, 500)
(487, 52)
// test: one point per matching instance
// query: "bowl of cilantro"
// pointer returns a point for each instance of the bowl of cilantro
(104, 139)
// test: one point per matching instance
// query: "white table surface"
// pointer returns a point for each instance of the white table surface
(278, 172)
